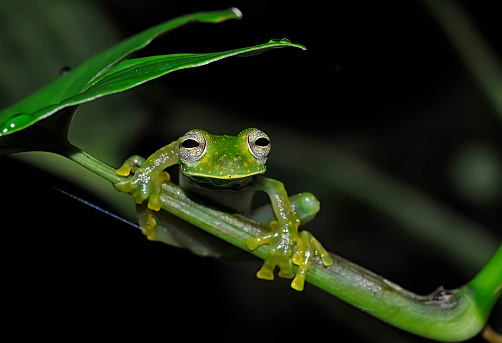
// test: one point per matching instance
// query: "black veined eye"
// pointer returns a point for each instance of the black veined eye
(190, 143)
(259, 144)
(192, 146)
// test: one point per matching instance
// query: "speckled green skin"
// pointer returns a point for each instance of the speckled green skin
(226, 157)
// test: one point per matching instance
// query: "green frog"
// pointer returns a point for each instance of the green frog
(227, 170)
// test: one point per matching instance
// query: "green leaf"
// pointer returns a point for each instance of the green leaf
(43, 104)
(124, 76)
(131, 73)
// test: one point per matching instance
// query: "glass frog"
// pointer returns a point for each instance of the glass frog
(227, 170)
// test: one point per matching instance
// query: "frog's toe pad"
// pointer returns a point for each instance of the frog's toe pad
(154, 200)
(125, 170)
(254, 242)
(154, 203)
(265, 273)
(327, 260)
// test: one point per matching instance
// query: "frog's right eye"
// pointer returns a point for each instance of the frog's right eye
(192, 146)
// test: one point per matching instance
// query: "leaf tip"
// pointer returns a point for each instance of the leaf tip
(286, 42)
(237, 12)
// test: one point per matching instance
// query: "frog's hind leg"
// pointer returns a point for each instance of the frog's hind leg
(305, 206)
(287, 245)
(146, 221)
(165, 227)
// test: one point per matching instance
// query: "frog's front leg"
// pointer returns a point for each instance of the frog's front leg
(305, 206)
(146, 182)
(284, 238)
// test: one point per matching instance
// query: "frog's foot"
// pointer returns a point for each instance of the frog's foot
(144, 187)
(144, 184)
(281, 248)
(281, 251)
(307, 246)
(146, 221)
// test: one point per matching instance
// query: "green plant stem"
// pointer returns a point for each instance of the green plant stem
(486, 286)
(445, 315)
(93, 164)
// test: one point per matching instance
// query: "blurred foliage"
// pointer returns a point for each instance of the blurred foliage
(380, 119)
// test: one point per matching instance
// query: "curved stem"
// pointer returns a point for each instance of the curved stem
(486, 286)
(445, 315)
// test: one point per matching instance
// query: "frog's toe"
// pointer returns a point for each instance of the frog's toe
(266, 272)
(154, 202)
(125, 170)
(303, 259)
(327, 260)
(254, 242)
(147, 221)
(286, 267)
(283, 262)
(307, 247)
(154, 199)
(320, 251)
(124, 186)
(138, 192)
(129, 165)
(139, 195)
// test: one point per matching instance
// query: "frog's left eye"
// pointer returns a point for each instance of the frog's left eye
(259, 144)
(192, 146)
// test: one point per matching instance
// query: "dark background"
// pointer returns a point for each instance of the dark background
(379, 80)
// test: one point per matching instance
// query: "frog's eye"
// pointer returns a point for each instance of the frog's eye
(259, 144)
(192, 146)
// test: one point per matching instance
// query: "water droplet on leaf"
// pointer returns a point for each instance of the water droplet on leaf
(280, 41)
(236, 11)
(16, 121)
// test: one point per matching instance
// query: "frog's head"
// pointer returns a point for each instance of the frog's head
(203, 155)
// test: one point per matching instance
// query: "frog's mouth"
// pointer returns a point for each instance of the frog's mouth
(218, 184)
